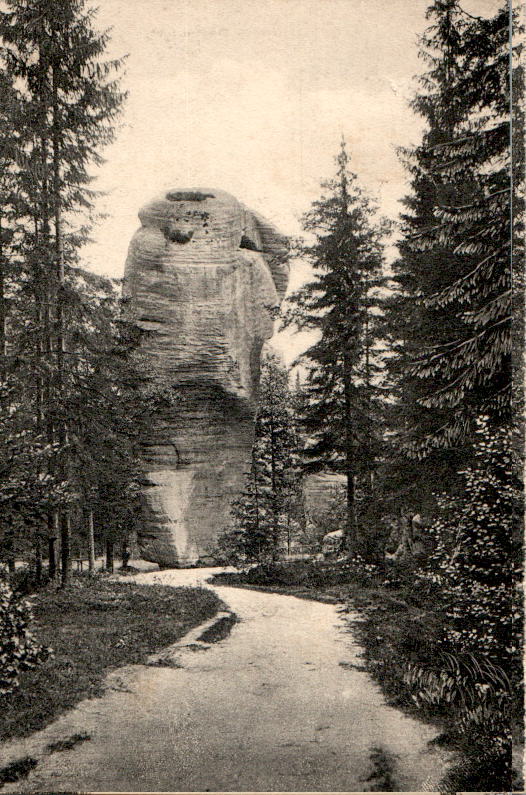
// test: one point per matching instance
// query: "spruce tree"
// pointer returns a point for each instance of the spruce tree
(69, 101)
(342, 404)
(268, 514)
(275, 453)
(475, 366)
(449, 318)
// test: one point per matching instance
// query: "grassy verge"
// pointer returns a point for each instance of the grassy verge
(92, 626)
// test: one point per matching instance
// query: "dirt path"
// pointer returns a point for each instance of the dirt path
(277, 706)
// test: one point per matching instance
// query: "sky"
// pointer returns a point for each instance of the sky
(252, 97)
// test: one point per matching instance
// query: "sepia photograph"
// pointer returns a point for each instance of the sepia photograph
(261, 396)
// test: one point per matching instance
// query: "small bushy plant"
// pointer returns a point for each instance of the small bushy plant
(472, 563)
(477, 669)
(18, 648)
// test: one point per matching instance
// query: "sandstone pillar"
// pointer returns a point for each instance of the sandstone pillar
(203, 275)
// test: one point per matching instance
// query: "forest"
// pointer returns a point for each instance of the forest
(411, 390)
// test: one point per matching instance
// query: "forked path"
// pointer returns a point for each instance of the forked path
(276, 706)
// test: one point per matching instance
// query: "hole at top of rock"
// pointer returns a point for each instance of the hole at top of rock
(176, 235)
(188, 196)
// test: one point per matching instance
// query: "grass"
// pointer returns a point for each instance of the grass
(18, 769)
(94, 625)
(220, 630)
(68, 743)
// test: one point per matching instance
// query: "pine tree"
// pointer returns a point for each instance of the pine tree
(69, 101)
(449, 319)
(343, 405)
(275, 452)
(267, 516)
(107, 407)
(476, 366)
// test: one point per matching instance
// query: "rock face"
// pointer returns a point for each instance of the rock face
(320, 490)
(203, 274)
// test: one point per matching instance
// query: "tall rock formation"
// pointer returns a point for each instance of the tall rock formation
(203, 275)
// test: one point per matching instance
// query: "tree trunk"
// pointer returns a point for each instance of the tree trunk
(349, 460)
(368, 419)
(52, 555)
(44, 297)
(64, 514)
(65, 549)
(275, 518)
(109, 556)
(52, 532)
(10, 550)
(91, 543)
(256, 493)
(38, 559)
(3, 307)
(125, 554)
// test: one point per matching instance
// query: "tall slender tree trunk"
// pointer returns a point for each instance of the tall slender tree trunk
(256, 492)
(52, 548)
(109, 556)
(3, 306)
(65, 547)
(368, 419)
(273, 480)
(44, 299)
(125, 552)
(91, 542)
(349, 455)
(9, 535)
(38, 558)
(64, 517)
(46, 387)
(9, 544)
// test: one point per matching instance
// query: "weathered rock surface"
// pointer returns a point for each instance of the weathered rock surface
(332, 544)
(320, 492)
(203, 274)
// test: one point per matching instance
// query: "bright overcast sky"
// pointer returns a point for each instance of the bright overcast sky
(252, 96)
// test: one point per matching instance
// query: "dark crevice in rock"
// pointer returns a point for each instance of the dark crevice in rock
(188, 196)
(177, 235)
(148, 319)
(249, 244)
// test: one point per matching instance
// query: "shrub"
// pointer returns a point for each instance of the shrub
(24, 581)
(18, 648)
(473, 559)
(477, 670)
(307, 573)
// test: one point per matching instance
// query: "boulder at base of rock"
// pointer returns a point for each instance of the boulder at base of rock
(203, 276)
(332, 544)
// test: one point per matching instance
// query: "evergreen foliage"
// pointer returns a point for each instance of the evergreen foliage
(449, 321)
(66, 374)
(342, 396)
(268, 515)
(474, 577)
